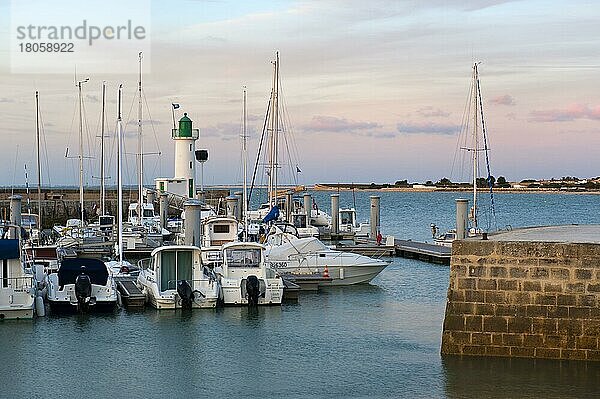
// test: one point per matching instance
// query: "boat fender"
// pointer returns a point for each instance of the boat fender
(119, 299)
(40, 310)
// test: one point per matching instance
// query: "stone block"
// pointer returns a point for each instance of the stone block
(495, 324)
(473, 350)
(466, 284)
(591, 327)
(547, 353)
(462, 308)
(554, 341)
(558, 311)
(497, 339)
(587, 300)
(576, 312)
(454, 323)
(575, 288)
(548, 261)
(518, 272)
(512, 339)
(586, 342)
(552, 287)
(457, 295)
(560, 273)
(542, 325)
(481, 339)
(498, 271)
(450, 348)
(533, 340)
(497, 351)
(532, 286)
(507, 285)
(522, 352)
(484, 309)
(593, 355)
(520, 324)
(495, 297)
(473, 247)
(476, 271)
(505, 310)
(570, 327)
(458, 270)
(487, 284)
(583, 274)
(573, 354)
(545, 299)
(595, 288)
(537, 311)
(540, 273)
(519, 298)
(474, 296)
(474, 323)
(566, 300)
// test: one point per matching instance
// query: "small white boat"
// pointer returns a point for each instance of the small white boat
(82, 284)
(244, 277)
(348, 223)
(287, 253)
(174, 278)
(217, 231)
(17, 285)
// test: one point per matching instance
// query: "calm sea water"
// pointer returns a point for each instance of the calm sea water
(377, 340)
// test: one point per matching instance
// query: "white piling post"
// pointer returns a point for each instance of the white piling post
(375, 222)
(461, 218)
(335, 213)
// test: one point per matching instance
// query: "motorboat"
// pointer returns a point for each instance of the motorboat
(174, 277)
(287, 253)
(245, 278)
(82, 284)
(348, 222)
(17, 284)
(217, 231)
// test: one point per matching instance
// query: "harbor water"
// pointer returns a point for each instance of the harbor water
(376, 340)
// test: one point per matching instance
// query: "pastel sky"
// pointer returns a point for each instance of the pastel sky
(374, 90)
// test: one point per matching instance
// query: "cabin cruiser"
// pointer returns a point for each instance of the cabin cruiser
(287, 253)
(348, 223)
(82, 284)
(174, 277)
(217, 231)
(244, 277)
(17, 284)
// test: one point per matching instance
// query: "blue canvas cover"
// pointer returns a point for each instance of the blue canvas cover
(9, 249)
(272, 215)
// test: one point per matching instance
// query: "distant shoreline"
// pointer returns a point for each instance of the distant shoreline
(323, 187)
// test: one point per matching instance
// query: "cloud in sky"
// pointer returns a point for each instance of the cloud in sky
(445, 129)
(504, 100)
(322, 123)
(570, 113)
(432, 112)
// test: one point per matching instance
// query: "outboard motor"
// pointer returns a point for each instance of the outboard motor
(252, 290)
(83, 289)
(185, 292)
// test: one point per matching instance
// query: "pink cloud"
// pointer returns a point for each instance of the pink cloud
(571, 113)
(503, 100)
(431, 112)
(321, 123)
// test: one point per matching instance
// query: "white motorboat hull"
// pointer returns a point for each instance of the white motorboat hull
(16, 305)
(233, 293)
(170, 300)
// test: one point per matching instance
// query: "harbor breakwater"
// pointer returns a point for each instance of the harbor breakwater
(523, 299)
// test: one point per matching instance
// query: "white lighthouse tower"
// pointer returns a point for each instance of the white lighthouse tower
(183, 183)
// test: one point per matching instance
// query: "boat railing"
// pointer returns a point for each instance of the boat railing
(18, 284)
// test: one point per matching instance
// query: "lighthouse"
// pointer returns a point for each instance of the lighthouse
(183, 183)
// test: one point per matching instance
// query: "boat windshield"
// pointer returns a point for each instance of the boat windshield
(29, 221)
(246, 257)
(148, 213)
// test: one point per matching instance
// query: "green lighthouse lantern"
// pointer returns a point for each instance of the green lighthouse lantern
(185, 127)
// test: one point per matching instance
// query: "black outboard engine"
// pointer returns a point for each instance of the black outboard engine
(83, 289)
(185, 292)
(253, 290)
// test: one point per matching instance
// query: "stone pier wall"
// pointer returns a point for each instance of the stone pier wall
(523, 299)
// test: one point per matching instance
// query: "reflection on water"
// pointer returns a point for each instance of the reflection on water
(471, 377)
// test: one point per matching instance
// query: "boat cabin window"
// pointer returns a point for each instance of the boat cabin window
(133, 213)
(148, 213)
(300, 221)
(28, 221)
(221, 228)
(247, 257)
(346, 218)
(174, 266)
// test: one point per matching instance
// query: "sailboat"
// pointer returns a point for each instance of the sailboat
(276, 143)
(479, 144)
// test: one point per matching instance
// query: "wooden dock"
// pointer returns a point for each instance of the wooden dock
(423, 251)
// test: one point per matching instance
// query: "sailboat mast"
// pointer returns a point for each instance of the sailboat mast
(102, 178)
(270, 128)
(245, 161)
(276, 129)
(119, 178)
(79, 84)
(39, 167)
(475, 144)
(140, 145)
